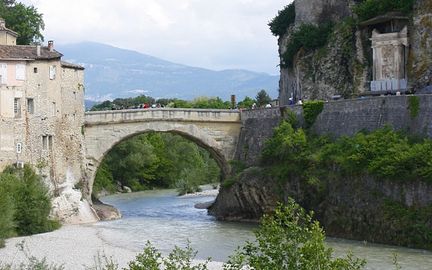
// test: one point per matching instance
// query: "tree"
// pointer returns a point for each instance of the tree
(290, 239)
(262, 98)
(246, 103)
(25, 20)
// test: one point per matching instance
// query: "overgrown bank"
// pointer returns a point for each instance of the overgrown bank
(372, 186)
(25, 204)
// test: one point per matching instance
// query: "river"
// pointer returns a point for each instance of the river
(167, 220)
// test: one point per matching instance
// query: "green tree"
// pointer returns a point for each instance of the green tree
(262, 98)
(25, 20)
(286, 17)
(246, 103)
(290, 239)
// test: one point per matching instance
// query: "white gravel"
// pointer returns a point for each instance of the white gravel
(73, 246)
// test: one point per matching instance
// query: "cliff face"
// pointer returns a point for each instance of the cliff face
(343, 65)
(420, 60)
(338, 68)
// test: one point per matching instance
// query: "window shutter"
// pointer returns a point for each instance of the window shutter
(20, 72)
(3, 73)
(52, 72)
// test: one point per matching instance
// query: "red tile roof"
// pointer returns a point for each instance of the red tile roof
(27, 52)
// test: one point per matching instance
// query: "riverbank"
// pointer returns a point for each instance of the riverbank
(73, 246)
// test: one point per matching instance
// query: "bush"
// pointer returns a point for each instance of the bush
(279, 24)
(178, 259)
(311, 110)
(25, 203)
(307, 37)
(368, 9)
(289, 239)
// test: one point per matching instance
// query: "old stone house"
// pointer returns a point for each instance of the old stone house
(41, 117)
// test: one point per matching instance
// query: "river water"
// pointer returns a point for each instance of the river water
(167, 220)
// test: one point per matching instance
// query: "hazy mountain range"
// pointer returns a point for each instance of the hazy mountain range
(113, 72)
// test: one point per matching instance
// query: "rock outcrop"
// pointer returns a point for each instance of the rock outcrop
(420, 59)
(343, 66)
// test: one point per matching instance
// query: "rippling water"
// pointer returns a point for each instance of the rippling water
(167, 220)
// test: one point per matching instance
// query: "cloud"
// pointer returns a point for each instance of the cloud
(213, 34)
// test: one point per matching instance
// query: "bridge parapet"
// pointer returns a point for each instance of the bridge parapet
(164, 114)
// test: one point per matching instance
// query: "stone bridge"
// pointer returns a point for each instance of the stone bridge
(215, 130)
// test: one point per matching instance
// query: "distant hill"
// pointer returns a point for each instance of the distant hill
(113, 72)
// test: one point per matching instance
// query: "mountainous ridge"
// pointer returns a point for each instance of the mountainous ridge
(113, 72)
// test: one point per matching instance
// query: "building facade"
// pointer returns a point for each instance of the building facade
(41, 118)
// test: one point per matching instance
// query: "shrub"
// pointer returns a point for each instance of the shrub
(289, 239)
(25, 203)
(178, 259)
(307, 37)
(279, 24)
(367, 9)
(311, 110)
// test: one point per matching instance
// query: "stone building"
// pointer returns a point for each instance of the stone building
(41, 117)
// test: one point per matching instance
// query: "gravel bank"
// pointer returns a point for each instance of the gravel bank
(73, 246)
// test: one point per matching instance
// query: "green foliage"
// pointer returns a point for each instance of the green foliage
(210, 103)
(160, 160)
(138, 102)
(104, 180)
(414, 106)
(411, 224)
(25, 204)
(7, 206)
(288, 146)
(286, 17)
(368, 9)
(307, 37)
(289, 239)
(383, 153)
(246, 103)
(25, 20)
(178, 259)
(262, 98)
(123, 103)
(311, 110)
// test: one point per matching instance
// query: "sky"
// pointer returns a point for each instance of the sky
(216, 34)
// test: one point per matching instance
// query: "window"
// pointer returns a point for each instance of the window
(52, 72)
(44, 142)
(3, 73)
(30, 105)
(20, 70)
(35, 70)
(17, 107)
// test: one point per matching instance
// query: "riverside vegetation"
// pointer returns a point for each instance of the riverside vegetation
(156, 160)
(384, 155)
(25, 204)
(286, 239)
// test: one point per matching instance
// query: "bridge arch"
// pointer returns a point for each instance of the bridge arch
(215, 130)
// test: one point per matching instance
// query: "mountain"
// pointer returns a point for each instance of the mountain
(113, 72)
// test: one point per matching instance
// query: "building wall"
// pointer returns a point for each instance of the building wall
(7, 39)
(50, 136)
